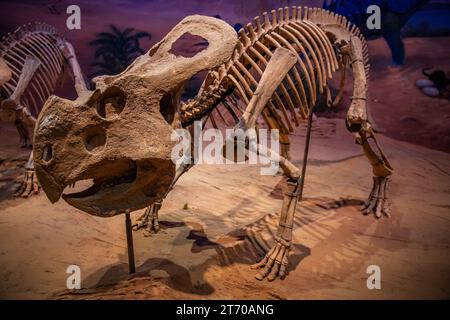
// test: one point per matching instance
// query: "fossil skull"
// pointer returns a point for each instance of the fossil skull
(119, 135)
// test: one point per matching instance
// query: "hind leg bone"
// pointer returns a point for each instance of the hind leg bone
(378, 201)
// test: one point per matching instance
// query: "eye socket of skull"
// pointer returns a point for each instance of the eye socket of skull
(167, 107)
(47, 153)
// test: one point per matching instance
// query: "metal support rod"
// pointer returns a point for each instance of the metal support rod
(305, 154)
(130, 247)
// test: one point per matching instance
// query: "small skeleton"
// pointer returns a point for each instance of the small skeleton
(119, 134)
(33, 60)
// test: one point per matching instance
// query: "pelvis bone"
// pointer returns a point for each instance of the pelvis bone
(119, 134)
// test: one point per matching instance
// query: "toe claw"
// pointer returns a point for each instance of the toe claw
(259, 276)
(263, 272)
(367, 211)
(274, 273)
(378, 209)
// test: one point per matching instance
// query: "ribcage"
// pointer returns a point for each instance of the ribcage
(296, 29)
(40, 41)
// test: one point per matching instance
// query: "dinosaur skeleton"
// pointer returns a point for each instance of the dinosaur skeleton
(119, 135)
(33, 60)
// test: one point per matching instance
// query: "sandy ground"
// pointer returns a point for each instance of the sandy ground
(205, 251)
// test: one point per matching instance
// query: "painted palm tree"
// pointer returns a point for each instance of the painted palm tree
(115, 50)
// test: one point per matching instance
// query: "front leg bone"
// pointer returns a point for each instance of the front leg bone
(29, 69)
(275, 262)
(277, 68)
